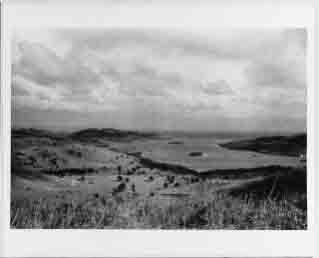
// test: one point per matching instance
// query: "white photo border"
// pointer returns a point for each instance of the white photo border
(146, 243)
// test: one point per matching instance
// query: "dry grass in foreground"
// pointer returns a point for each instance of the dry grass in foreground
(220, 211)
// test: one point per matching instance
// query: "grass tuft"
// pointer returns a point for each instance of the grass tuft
(220, 211)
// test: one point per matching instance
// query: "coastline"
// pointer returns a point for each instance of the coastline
(293, 146)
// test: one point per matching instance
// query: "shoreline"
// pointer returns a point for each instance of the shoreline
(183, 170)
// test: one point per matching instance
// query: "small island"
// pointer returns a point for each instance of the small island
(196, 154)
(176, 142)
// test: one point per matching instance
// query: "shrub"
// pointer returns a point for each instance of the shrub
(133, 188)
(82, 178)
(120, 188)
(96, 195)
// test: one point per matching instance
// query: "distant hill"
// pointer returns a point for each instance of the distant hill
(109, 134)
(39, 133)
(86, 134)
(280, 145)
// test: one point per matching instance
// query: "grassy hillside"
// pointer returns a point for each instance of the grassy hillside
(109, 134)
(63, 182)
(280, 145)
(218, 211)
(37, 133)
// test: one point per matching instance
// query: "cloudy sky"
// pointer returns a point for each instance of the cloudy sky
(210, 80)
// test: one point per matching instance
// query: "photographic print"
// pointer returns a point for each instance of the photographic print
(158, 128)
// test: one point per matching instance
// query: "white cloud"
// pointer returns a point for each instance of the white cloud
(216, 75)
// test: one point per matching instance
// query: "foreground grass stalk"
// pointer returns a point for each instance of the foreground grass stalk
(221, 211)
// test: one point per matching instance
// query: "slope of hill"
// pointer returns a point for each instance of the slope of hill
(39, 133)
(75, 182)
(108, 133)
(294, 145)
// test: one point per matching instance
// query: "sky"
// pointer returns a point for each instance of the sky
(160, 79)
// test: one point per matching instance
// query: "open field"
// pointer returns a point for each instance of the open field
(79, 181)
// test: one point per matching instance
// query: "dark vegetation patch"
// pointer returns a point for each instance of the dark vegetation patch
(176, 142)
(137, 154)
(178, 169)
(279, 145)
(70, 171)
(31, 132)
(195, 154)
(75, 153)
(27, 174)
(246, 173)
(291, 186)
(94, 134)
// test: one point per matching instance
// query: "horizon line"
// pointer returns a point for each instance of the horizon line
(163, 130)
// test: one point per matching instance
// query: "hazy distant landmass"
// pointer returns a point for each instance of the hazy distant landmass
(291, 145)
(294, 145)
(109, 133)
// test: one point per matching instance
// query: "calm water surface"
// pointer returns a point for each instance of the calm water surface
(214, 156)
